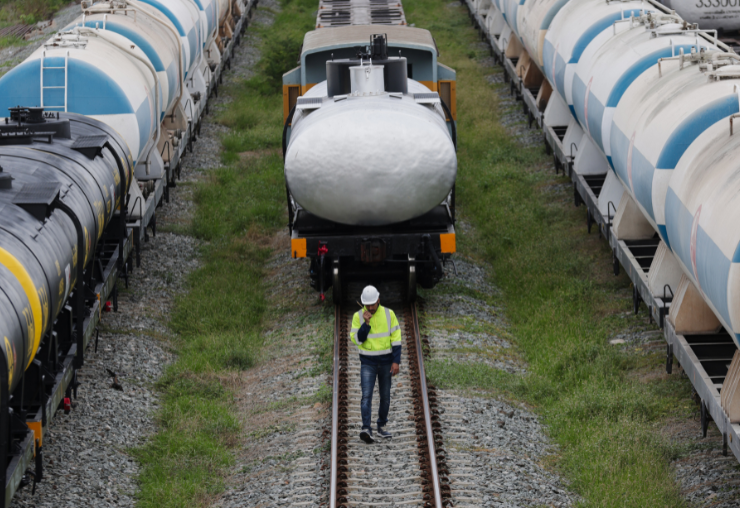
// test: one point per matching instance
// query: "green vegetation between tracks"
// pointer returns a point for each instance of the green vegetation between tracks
(220, 319)
(604, 405)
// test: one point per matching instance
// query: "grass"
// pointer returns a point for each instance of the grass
(28, 12)
(220, 319)
(558, 296)
(25, 12)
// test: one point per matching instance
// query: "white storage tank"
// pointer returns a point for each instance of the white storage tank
(89, 75)
(702, 213)
(185, 15)
(578, 24)
(155, 35)
(606, 71)
(370, 159)
(657, 120)
(533, 20)
(707, 13)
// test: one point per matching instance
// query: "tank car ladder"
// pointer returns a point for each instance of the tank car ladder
(66, 81)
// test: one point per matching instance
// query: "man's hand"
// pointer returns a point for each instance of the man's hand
(394, 369)
(367, 316)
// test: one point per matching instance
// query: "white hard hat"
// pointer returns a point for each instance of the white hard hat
(370, 295)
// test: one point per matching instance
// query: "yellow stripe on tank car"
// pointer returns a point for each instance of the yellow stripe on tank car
(33, 315)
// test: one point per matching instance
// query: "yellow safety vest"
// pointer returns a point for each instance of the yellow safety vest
(385, 332)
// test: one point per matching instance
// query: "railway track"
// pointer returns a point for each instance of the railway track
(408, 470)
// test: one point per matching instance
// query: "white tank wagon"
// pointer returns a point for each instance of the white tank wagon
(154, 34)
(605, 73)
(641, 111)
(576, 27)
(87, 73)
(370, 161)
(630, 113)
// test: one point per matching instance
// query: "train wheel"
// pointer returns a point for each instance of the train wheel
(336, 283)
(411, 280)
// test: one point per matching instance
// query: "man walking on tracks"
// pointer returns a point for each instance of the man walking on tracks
(376, 333)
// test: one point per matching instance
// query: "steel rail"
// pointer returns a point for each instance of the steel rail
(427, 411)
(335, 408)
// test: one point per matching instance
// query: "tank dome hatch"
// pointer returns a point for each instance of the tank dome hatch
(26, 125)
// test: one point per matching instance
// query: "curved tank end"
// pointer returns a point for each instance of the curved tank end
(371, 162)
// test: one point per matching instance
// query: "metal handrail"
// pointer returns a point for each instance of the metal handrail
(609, 216)
(169, 150)
(668, 287)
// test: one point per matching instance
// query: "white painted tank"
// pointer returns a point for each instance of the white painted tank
(702, 214)
(667, 133)
(124, 87)
(577, 25)
(370, 160)
(656, 121)
(154, 34)
(509, 9)
(185, 15)
(209, 19)
(533, 21)
(606, 69)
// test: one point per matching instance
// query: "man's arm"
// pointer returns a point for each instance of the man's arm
(363, 332)
(397, 355)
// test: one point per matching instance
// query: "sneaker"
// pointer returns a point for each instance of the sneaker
(384, 433)
(367, 435)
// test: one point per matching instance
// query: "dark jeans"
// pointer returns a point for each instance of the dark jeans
(368, 373)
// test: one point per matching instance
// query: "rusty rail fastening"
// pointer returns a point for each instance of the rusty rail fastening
(435, 484)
